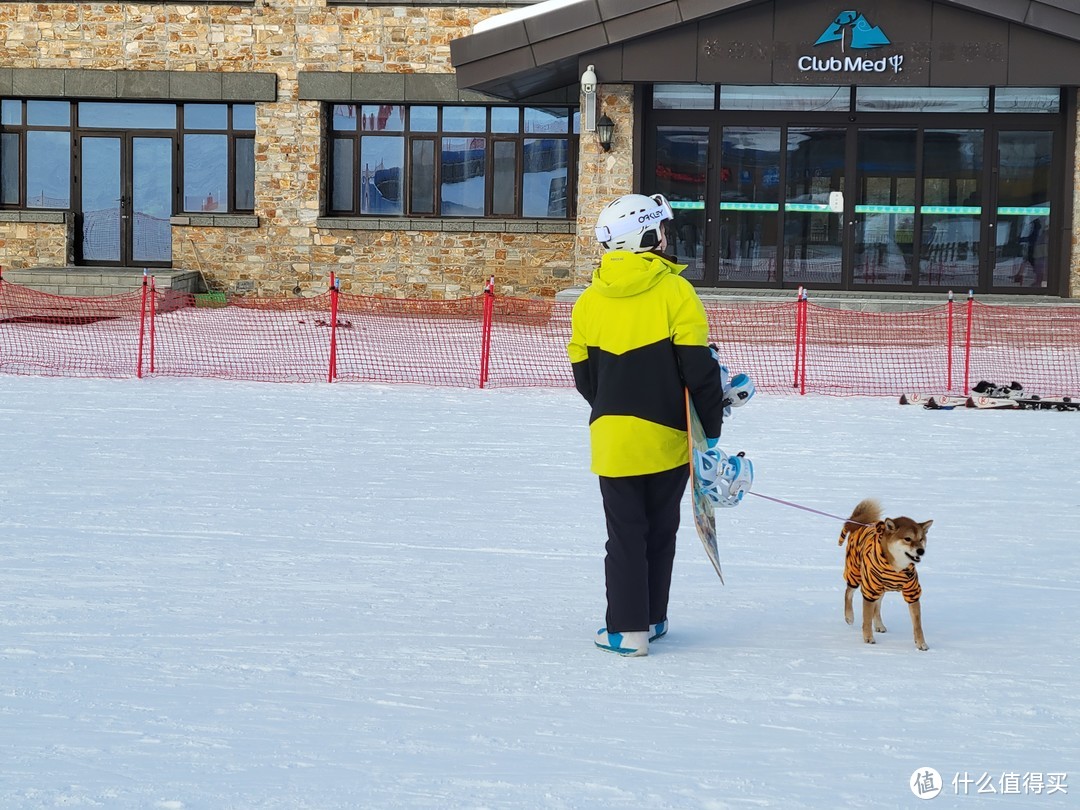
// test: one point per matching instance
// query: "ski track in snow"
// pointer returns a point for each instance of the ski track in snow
(230, 595)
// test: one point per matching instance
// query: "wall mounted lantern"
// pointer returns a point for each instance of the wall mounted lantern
(605, 129)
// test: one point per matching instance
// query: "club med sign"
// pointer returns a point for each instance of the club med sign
(852, 30)
(851, 64)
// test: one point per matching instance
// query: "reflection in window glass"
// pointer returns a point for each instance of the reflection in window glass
(9, 169)
(504, 187)
(243, 116)
(541, 120)
(505, 119)
(422, 175)
(736, 97)
(101, 204)
(206, 173)
(684, 96)
(461, 193)
(464, 119)
(341, 184)
(10, 112)
(206, 116)
(382, 165)
(813, 236)
(424, 119)
(48, 170)
(126, 115)
(923, 99)
(344, 118)
(950, 219)
(151, 199)
(495, 169)
(885, 206)
(544, 178)
(1023, 216)
(682, 158)
(48, 113)
(245, 174)
(749, 202)
(382, 118)
(1027, 100)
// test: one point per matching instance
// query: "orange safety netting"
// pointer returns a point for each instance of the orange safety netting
(494, 341)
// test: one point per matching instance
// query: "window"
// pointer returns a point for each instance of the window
(1027, 100)
(219, 157)
(35, 154)
(923, 99)
(452, 161)
(38, 163)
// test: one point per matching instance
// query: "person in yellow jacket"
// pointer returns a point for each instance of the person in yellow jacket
(639, 338)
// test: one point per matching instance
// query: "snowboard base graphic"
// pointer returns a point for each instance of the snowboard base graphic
(704, 517)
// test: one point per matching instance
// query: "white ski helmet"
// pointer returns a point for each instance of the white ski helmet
(632, 222)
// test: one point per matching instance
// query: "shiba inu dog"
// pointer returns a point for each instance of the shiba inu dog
(881, 556)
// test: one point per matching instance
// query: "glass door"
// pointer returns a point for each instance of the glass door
(952, 214)
(150, 239)
(682, 161)
(749, 204)
(1022, 218)
(813, 249)
(884, 214)
(103, 203)
(126, 200)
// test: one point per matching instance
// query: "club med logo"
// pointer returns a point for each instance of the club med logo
(863, 35)
(852, 29)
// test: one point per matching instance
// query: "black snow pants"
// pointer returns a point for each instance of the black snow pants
(642, 514)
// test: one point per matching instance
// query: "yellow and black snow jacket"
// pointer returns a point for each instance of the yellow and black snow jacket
(640, 337)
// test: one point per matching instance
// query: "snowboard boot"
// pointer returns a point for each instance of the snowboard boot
(626, 644)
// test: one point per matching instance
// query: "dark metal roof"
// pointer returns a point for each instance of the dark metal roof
(543, 52)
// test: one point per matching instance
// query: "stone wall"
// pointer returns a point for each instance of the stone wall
(44, 236)
(286, 248)
(603, 176)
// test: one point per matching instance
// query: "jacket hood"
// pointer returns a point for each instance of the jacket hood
(622, 273)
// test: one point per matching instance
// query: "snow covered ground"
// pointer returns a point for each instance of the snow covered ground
(242, 595)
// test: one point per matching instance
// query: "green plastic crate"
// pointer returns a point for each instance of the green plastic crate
(210, 299)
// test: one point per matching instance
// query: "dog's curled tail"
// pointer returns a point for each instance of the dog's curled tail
(867, 513)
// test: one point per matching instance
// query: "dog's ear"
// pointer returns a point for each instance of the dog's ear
(926, 525)
(886, 525)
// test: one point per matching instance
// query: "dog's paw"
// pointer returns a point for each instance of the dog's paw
(849, 619)
(922, 645)
(869, 640)
(880, 628)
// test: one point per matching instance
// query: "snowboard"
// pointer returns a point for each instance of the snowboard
(704, 517)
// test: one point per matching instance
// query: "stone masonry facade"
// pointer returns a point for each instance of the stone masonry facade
(285, 249)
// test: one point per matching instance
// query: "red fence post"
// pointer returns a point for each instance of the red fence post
(801, 311)
(967, 342)
(142, 328)
(153, 320)
(333, 328)
(805, 339)
(948, 343)
(485, 332)
(798, 336)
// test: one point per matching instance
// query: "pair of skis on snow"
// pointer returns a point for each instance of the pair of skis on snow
(988, 396)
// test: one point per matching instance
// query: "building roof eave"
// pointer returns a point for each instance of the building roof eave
(541, 52)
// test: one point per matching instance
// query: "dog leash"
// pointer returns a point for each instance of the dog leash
(807, 509)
